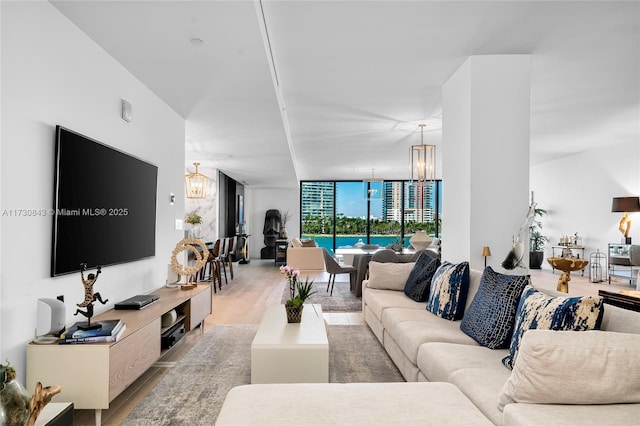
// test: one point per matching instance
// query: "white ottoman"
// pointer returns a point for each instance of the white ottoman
(349, 404)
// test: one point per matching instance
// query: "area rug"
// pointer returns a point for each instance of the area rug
(342, 300)
(193, 391)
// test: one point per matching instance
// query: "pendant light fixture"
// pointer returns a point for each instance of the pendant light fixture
(196, 184)
(422, 160)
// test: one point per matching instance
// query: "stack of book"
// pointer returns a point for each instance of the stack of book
(109, 331)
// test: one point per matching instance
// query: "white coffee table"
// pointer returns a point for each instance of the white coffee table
(290, 353)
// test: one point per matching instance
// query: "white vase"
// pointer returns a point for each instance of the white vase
(420, 240)
(195, 231)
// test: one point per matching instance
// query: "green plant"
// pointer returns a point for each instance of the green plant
(304, 290)
(536, 239)
(7, 373)
(193, 218)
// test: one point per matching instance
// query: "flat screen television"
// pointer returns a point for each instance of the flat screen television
(104, 205)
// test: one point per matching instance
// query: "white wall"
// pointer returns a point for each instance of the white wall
(485, 182)
(576, 191)
(54, 74)
(256, 204)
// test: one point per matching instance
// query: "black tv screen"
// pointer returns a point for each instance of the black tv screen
(104, 205)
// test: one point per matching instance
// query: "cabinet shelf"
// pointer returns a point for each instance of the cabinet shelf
(624, 262)
(92, 375)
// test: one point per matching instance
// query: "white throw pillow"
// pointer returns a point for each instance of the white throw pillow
(574, 367)
(389, 276)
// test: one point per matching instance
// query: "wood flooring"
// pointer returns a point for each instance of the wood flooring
(243, 300)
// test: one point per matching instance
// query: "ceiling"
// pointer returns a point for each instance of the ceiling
(282, 91)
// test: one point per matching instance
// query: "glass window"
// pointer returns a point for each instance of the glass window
(336, 214)
(351, 214)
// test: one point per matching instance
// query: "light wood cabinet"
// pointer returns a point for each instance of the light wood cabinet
(92, 375)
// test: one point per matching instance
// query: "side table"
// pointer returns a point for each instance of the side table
(281, 251)
(579, 254)
(56, 414)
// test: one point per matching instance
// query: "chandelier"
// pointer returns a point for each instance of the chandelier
(422, 160)
(196, 184)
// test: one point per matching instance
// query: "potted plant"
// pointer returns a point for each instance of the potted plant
(536, 241)
(14, 399)
(195, 220)
(295, 303)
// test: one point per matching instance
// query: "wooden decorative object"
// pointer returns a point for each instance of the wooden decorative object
(566, 265)
(201, 258)
(41, 397)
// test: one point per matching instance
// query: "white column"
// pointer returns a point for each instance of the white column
(485, 157)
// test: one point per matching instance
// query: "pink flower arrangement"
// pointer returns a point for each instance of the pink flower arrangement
(304, 290)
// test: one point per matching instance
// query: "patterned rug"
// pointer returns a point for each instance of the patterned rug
(193, 391)
(342, 300)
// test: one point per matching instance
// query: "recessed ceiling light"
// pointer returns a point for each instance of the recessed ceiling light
(197, 41)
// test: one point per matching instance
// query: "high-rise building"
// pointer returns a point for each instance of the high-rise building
(419, 201)
(318, 199)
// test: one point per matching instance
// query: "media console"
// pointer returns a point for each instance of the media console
(92, 375)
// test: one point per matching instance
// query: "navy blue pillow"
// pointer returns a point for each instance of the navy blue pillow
(491, 316)
(419, 280)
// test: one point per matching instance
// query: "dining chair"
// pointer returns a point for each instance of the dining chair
(228, 254)
(386, 256)
(222, 260)
(334, 268)
(215, 264)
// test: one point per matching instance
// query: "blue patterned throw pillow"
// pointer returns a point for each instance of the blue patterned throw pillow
(537, 310)
(419, 280)
(490, 318)
(449, 288)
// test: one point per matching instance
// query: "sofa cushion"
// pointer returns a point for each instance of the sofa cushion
(295, 242)
(537, 310)
(378, 300)
(490, 317)
(570, 415)
(600, 362)
(419, 281)
(348, 404)
(389, 276)
(482, 386)
(448, 293)
(437, 360)
(410, 328)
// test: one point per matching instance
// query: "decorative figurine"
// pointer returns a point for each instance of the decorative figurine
(515, 255)
(89, 297)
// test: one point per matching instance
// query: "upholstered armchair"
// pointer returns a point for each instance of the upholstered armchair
(305, 257)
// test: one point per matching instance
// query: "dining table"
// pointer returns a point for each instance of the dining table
(360, 258)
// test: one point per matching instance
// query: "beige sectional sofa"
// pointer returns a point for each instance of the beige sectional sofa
(427, 348)
(560, 377)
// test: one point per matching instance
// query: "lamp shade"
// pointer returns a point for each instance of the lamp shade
(486, 251)
(625, 204)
